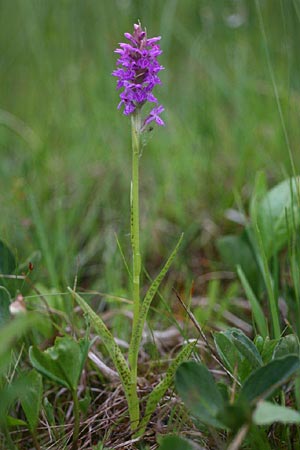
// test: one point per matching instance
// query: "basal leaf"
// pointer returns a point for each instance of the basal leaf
(160, 390)
(177, 443)
(287, 345)
(233, 359)
(276, 207)
(111, 346)
(62, 363)
(199, 392)
(246, 347)
(42, 362)
(235, 250)
(265, 380)
(267, 413)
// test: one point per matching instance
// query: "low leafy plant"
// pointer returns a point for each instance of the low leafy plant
(63, 363)
(268, 242)
(258, 371)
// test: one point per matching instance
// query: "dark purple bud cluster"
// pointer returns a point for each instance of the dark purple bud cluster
(137, 75)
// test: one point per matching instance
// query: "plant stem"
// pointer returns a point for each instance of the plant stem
(35, 441)
(8, 438)
(135, 245)
(76, 419)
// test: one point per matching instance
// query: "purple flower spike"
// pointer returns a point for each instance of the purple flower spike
(137, 73)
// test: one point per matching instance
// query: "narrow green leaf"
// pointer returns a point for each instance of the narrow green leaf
(265, 380)
(14, 422)
(49, 411)
(160, 390)
(199, 392)
(137, 332)
(31, 399)
(257, 311)
(269, 282)
(110, 344)
(267, 413)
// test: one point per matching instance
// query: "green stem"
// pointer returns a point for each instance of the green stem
(135, 244)
(76, 419)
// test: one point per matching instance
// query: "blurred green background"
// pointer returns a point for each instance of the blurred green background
(65, 149)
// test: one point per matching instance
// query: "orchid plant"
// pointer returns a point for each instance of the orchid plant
(137, 74)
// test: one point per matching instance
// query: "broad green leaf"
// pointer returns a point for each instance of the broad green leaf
(268, 349)
(287, 345)
(232, 358)
(234, 416)
(199, 392)
(62, 363)
(137, 332)
(257, 311)
(177, 443)
(160, 390)
(267, 413)
(227, 350)
(42, 362)
(236, 251)
(246, 347)
(265, 380)
(276, 207)
(111, 346)
(31, 398)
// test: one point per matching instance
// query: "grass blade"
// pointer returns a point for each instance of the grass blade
(257, 311)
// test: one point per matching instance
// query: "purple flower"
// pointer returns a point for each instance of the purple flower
(137, 73)
(154, 115)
